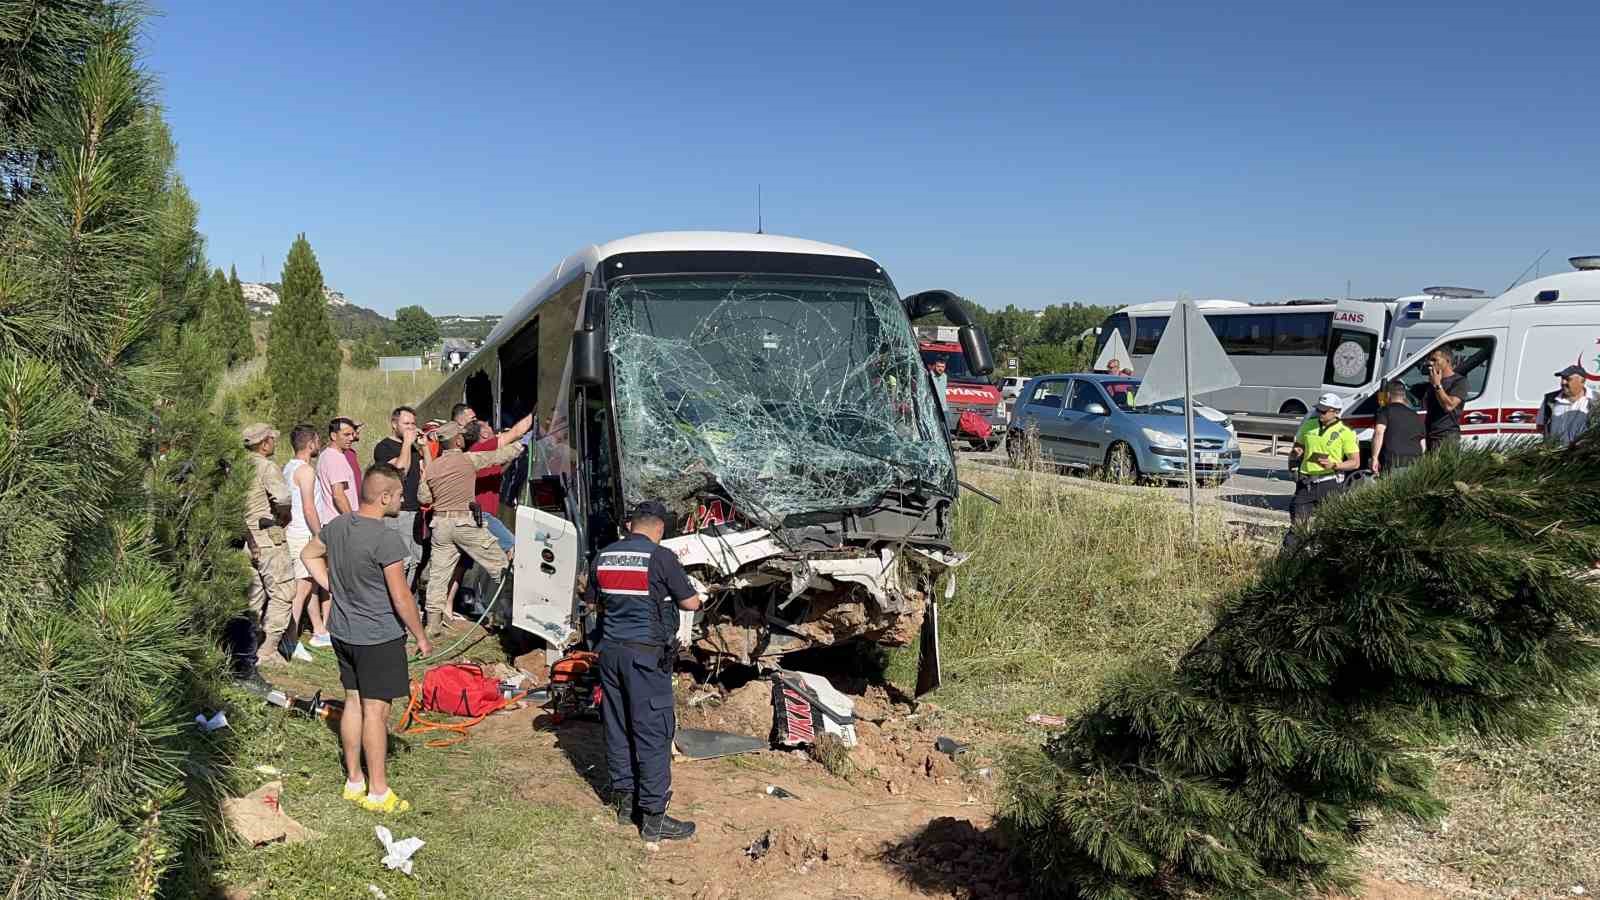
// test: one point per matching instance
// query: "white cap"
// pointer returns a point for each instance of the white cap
(1330, 401)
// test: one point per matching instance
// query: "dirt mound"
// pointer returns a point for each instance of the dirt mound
(745, 710)
(953, 855)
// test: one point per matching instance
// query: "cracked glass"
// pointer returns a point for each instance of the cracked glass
(785, 394)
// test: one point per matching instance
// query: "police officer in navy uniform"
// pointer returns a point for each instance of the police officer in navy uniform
(640, 586)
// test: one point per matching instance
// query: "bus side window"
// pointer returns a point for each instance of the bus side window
(1147, 334)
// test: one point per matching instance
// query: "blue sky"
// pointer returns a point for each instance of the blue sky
(1012, 153)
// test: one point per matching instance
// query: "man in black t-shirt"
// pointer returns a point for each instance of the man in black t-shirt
(1397, 434)
(404, 450)
(1447, 393)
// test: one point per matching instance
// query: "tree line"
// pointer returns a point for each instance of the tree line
(1058, 338)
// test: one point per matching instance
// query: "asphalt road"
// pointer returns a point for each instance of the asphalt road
(1262, 484)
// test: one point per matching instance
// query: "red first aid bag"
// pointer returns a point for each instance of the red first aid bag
(460, 689)
(973, 424)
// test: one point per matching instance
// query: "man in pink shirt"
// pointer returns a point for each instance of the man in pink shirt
(336, 480)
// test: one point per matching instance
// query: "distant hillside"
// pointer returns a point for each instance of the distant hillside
(473, 328)
(352, 322)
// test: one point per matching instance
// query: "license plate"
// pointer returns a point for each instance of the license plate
(1206, 459)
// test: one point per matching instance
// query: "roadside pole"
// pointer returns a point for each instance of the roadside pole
(1188, 425)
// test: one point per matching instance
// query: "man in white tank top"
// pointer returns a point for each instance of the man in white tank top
(304, 523)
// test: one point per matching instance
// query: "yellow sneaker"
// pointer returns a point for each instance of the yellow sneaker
(355, 794)
(391, 803)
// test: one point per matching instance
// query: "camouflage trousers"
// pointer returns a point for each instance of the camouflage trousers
(452, 537)
(272, 595)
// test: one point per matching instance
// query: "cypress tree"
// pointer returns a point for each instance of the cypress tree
(1445, 600)
(104, 650)
(302, 353)
(240, 343)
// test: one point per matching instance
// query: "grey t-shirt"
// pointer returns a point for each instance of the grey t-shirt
(358, 549)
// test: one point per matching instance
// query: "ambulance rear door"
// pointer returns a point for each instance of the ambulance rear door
(1356, 339)
(1550, 337)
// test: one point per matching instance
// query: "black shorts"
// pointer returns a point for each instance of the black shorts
(375, 671)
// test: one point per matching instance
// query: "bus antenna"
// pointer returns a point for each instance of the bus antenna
(1518, 280)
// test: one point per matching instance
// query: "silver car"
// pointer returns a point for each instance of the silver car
(1094, 421)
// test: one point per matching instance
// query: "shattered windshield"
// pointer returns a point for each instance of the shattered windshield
(790, 394)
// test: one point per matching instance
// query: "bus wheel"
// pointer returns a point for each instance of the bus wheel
(1121, 465)
(1294, 408)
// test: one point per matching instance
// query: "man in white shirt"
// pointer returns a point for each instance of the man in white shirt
(1564, 415)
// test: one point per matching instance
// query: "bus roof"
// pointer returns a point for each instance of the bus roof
(586, 258)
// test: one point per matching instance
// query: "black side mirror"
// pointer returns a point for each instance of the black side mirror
(975, 347)
(927, 303)
(588, 358)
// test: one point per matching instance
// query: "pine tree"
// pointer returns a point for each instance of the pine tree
(239, 341)
(104, 788)
(1442, 601)
(303, 356)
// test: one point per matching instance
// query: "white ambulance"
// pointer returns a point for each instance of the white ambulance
(1509, 350)
(1369, 338)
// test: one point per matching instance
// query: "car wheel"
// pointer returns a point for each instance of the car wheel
(1122, 466)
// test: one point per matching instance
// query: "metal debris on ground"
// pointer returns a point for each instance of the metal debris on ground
(703, 743)
(950, 746)
(779, 793)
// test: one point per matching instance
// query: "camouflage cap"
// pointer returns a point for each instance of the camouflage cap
(448, 432)
(260, 431)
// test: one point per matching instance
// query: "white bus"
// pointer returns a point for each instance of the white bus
(769, 391)
(1280, 350)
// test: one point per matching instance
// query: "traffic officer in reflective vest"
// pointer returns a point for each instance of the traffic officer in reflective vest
(640, 586)
(1325, 450)
(447, 485)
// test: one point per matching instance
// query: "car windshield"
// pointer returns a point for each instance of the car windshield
(790, 394)
(1126, 395)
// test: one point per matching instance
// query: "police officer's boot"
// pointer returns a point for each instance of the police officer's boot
(624, 802)
(662, 827)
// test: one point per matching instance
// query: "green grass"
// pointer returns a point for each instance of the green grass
(1064, 586)
(484, 839)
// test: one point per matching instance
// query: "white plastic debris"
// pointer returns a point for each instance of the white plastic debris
(217, 721)
(376, 891)
(397, 854)
(1578, 890)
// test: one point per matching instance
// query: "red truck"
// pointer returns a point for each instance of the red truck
(964, 391)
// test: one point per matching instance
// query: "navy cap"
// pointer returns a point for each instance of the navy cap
(1572, 370)
(653, 509)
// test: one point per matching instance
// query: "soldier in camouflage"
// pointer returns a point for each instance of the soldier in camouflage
(266, 509)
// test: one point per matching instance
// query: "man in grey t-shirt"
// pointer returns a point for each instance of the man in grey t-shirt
(362, 561)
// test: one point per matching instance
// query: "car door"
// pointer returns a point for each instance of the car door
(1081, 438)
(1091, 425)
(1042, 410)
